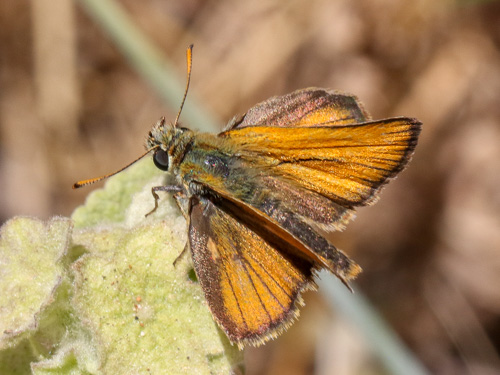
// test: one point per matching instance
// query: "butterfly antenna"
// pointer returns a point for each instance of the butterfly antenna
(90, 181)
(189, 60)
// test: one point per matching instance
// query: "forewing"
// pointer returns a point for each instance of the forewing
(347, 164)
(251, 287)
(307, 107)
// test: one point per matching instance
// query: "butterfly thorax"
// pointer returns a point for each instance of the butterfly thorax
(191, 156)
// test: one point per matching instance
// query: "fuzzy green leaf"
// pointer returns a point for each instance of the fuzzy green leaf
(143, 312)
(30, 271)
(111, 301)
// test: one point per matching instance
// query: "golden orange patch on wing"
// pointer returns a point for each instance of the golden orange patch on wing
(212, 247)
(324, 116)
(318, 142)
(354, 189)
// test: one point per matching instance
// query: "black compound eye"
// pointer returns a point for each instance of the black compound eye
(160, 158)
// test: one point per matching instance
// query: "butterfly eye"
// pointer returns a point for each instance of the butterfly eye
(160, 158)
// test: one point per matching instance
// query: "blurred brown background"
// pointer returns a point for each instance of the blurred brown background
(72, 107)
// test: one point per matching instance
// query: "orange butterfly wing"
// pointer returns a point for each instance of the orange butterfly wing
(250, 285)
(347, 164)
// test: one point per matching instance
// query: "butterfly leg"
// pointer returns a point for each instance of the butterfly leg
(167, 188)
(183, 202)
(183, 252)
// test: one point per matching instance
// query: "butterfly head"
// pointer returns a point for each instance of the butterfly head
(168, 143)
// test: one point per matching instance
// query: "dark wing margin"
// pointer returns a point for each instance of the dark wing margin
(252, 288)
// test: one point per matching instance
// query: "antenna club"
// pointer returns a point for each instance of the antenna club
(189, 61)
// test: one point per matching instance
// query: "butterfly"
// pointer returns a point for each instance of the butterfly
(261, 196)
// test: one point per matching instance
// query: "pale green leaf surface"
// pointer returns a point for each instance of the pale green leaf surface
(114, 303)
(30, 271)
(62, 343)
(144, 313)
